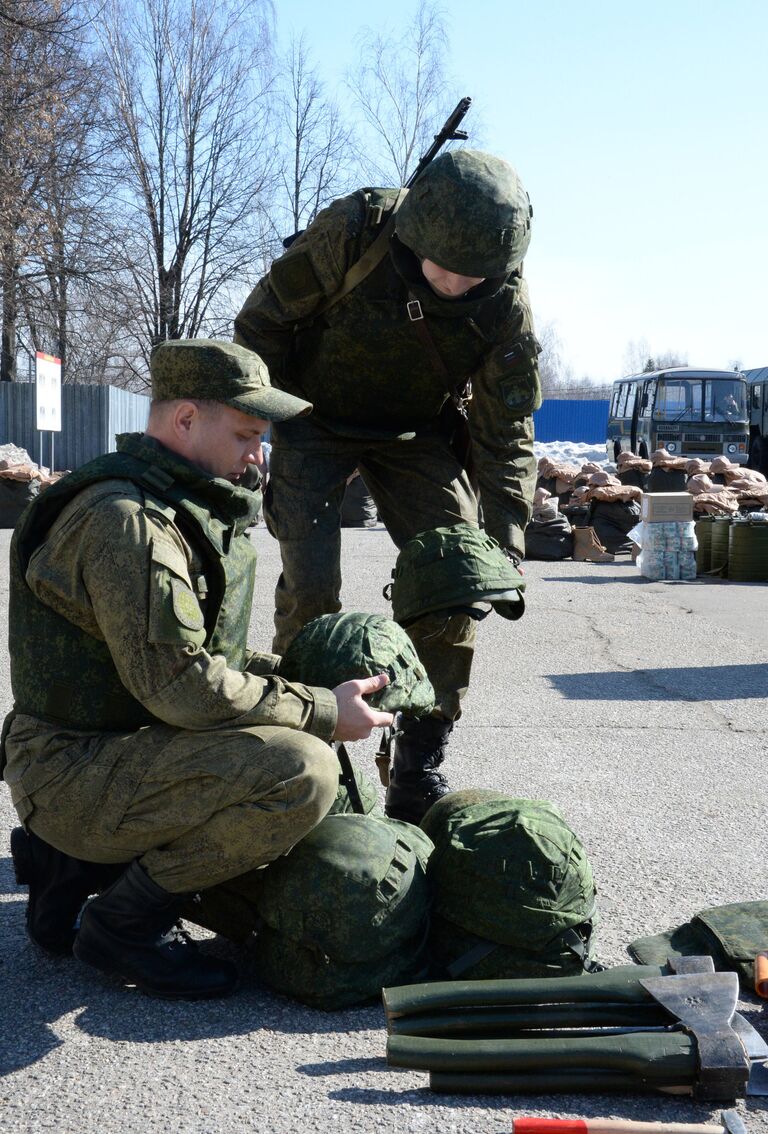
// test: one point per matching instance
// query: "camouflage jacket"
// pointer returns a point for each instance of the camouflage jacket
(366, 368)
(131, 590)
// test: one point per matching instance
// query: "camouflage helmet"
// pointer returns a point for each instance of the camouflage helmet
(345, 912)
(340, 647)
(514, 894)
(454, 568)
(468, 213)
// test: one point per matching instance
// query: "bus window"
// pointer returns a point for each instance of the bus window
(678, 401)
(724, 401)
(649, 396)
(624, 389)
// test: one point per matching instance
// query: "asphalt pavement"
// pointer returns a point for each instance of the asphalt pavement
(639, 708)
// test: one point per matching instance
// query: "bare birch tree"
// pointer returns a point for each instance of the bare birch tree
(30, 97)
(317, 148)
(188, 87)
(402, 91)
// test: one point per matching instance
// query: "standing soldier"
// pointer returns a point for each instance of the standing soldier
(394, 313)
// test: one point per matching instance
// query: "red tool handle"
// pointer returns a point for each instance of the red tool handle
(544, 1125)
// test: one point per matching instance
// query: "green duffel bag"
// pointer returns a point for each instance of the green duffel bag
(513, 889)
(731, 935)
(345, 912)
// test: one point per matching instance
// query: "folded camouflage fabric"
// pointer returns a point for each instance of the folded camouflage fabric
(732, 935)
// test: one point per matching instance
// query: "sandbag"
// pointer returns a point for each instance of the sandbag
(613, 521)
(549, 539)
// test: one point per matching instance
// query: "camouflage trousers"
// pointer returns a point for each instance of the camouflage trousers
(416, 485)
(196, 808)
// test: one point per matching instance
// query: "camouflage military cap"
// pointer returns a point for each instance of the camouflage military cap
(341, 647)
(453, 569)
(218, 371)
(468, 213)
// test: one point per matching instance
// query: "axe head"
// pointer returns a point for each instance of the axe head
(705, 1004)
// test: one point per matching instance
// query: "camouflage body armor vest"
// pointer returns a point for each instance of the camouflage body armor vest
(350, 358)
(64, 675)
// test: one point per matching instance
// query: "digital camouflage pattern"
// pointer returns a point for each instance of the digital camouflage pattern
(384, 405)
(449, 568)
(513, 888)
(732, 935)
(62, 667)
(469, 213)
(367, 789)
(341, 647)
(132, 609)
(230, 908)
(215, 371)
(345, 912)
(353, 362)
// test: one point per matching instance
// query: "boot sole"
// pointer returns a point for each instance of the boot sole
(96, 960)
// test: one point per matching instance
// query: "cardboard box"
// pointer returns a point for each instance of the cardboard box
(661, 507)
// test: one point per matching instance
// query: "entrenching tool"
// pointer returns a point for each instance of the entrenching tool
(627, 1029)
(731, 1123)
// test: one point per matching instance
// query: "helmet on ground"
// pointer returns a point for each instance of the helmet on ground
(340, 647)
(345, 912)
(453, 569)
(469, 213)
(513, 888)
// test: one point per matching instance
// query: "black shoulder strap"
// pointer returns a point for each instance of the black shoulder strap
(370, 259)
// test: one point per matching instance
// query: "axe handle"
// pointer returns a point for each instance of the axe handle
(608, 1126)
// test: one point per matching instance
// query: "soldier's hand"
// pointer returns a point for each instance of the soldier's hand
(357, 720)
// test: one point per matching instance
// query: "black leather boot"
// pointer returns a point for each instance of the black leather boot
(129, 931)
(58, 887)
(415, 782)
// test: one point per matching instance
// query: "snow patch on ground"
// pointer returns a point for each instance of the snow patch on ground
(570, 452)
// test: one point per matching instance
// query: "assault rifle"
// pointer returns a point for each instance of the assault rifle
(448, 133)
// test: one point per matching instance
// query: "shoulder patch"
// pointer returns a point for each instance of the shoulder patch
(185, 606)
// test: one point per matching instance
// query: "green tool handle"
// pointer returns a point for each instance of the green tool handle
(660, 1057)
(503, 1020)
(563, 1082)
(621, 984)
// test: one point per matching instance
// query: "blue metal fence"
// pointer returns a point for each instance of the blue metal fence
(91, 416)
(571, 419)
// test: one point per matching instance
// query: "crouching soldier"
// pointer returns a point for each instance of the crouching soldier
(149, 753)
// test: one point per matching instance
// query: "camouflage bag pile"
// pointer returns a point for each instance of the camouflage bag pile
(345, 912)
(340, 647)
(513, 889)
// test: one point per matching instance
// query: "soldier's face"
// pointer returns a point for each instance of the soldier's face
(447, 284)
(225, 441)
